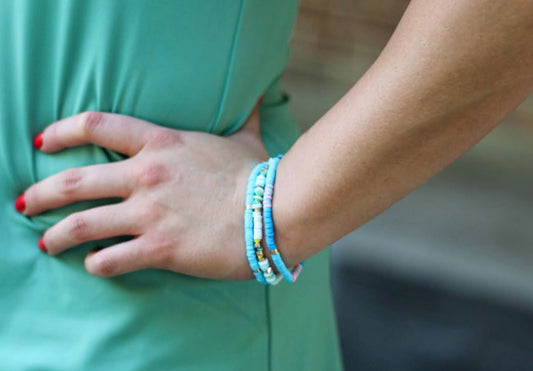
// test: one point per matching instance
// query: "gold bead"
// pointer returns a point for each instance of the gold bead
(274, 252)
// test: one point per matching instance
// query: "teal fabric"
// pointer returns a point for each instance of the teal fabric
(191, 65)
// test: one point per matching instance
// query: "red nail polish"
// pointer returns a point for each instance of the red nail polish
(20, 203)
(260, 99)
(41, 245)
(38, 141)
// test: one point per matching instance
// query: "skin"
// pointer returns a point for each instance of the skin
(177, 203)
(450, 73)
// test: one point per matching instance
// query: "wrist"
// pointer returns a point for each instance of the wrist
(268, 261)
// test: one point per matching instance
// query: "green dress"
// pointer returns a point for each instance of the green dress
(192, 65)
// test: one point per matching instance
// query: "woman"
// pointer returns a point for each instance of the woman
(187, 65)
(449, 74)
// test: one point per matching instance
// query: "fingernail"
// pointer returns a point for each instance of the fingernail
(260, 99)
(38, 141)
(41, 245)
(20, 203)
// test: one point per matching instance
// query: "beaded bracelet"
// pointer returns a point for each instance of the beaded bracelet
(289, 276)
(249, 225)
(253, 227)
(257, 205)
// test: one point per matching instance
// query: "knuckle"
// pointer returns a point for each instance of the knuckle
(162, 138)
(151, 173)
(103, 265)
(78, 227)
(70, 181)
(159, 251)
(91, 121)
(148, 212)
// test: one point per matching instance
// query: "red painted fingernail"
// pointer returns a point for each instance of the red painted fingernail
(38, 141)
(20, 203)
(41, 245)
(260, 99)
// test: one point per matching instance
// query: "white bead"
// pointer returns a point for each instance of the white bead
(260, 180)
(264, 264)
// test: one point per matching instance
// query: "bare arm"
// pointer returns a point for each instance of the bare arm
(450, 73)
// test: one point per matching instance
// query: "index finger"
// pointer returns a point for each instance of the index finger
(120, 133)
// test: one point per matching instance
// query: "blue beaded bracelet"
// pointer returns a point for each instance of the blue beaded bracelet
(253, 228)
(289, 276)
(257, 206)
(248, 225)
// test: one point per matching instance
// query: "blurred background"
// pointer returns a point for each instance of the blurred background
(443, 280)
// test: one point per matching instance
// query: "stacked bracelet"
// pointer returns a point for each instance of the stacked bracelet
(248, 227)
(259, 194)
(289, 276)
(254, 227)
(257, 205)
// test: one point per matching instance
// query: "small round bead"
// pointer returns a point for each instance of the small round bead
(264, 265)
(260, 181)
(276, 280)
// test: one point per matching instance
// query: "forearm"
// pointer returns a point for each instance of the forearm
(450, 73)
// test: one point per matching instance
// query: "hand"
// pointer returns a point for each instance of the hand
(183, 195)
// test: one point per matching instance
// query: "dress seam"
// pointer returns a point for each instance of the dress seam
(230, 68)
(269, 328)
